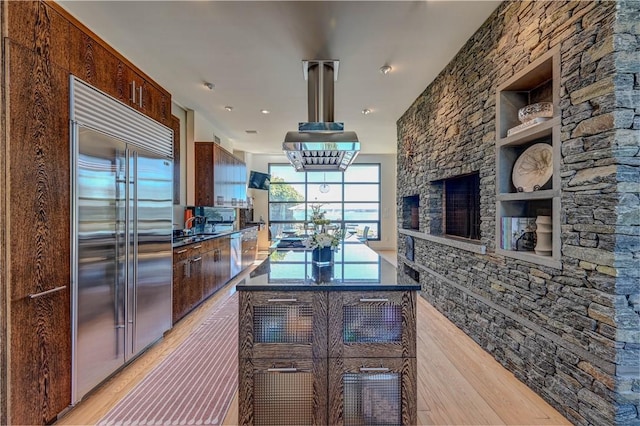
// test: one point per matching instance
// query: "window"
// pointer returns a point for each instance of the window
(462, 206)
(350, 198)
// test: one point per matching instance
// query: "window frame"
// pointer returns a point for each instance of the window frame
(342, 222)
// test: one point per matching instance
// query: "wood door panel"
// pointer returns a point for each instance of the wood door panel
(38, 27)
(94, 64)
(204, 174)
(38, 145)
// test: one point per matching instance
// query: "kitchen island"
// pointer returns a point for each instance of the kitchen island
(339, 352)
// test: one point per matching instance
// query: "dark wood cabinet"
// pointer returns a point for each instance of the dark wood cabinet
(220, 177)
(38, 172)
(372, 391)
(199, 270)
(283, 392)
(366, 340)
(99, 66)
(43, 45)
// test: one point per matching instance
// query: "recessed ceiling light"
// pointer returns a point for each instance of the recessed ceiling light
(252, 132)
(385, 69)
(265, 111)
(366, 111)
(228, 108)
(208, 85)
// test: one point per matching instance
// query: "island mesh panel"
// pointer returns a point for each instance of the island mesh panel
(283, 399)
(282, 324)
(372, 399)
(367, 323)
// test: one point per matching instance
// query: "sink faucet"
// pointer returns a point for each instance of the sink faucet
(195, 219)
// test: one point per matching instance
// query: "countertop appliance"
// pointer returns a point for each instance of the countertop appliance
(122, 181)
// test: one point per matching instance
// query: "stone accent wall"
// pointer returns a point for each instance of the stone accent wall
(571, 334)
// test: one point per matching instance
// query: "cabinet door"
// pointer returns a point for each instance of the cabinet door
(291, 392)
(38, 181)
(283, 324)
(180, 276)
(372, 324)
(372, 391)
(209, 272)
(225, 260)
(94, 64)
(219, 167)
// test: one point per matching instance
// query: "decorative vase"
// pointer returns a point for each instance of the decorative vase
(543, 236)
(322, 264)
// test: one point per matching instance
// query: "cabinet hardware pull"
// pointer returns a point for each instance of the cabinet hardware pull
(374, 300)
(373, 369)
(282, 370)
(133, 92)
(140, 96)
(282, 300)
(43, 293)
(196, 247)
(181, 251)
(197, 259)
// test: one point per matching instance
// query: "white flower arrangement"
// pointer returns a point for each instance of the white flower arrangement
(322, 237)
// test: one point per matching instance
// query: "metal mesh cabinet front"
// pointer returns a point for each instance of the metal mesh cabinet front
(372, 324)
(370, 391)
(277, 392)
(283, 325)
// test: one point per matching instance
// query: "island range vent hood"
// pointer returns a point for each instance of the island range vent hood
(321, 144)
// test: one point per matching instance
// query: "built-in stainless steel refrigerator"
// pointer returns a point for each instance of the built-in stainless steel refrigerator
(122, 226)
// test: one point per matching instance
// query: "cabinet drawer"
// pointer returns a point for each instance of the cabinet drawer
(292, 392)
(283, 324)
(372, 324)
(372, 391)
(181, 253)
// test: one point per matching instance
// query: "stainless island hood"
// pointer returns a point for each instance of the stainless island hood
(321, 144)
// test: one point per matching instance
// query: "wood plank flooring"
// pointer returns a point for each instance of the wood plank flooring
(458, 382)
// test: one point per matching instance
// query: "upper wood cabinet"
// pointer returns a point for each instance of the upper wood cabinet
(92, 62)
(220, 177)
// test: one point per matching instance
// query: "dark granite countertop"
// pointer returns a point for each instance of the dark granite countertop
(192, 239)
(355, 268)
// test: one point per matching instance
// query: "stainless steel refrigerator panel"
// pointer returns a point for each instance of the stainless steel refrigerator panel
(153, 267)
(236, 254)
(101, 251)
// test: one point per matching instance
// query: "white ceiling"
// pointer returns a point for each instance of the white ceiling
(253, 52)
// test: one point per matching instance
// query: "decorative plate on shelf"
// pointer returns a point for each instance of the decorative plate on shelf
(533, 168)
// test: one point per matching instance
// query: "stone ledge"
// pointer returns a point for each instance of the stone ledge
(603, 364)
(451, 242)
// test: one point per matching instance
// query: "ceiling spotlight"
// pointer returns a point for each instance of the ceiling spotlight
(386, 69)
(265, 111)
(366, 111)
(208, 85)
(228, 108)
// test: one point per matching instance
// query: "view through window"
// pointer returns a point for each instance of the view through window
(351, 199)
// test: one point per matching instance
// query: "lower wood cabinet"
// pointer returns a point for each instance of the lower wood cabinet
(279, 392)
(356, 350)
(372, 391)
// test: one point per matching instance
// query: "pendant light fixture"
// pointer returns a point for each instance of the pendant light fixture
(324, 188)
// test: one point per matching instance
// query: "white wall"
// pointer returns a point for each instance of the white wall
(388, 222)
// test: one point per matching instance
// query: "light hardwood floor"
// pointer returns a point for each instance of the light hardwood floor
(458, 382)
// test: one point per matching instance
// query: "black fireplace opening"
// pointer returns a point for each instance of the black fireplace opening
(411, 212)
(411, 273)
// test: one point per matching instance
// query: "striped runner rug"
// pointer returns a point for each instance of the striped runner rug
(195, 384)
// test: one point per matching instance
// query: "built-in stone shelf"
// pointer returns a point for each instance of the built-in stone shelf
(448, 241)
